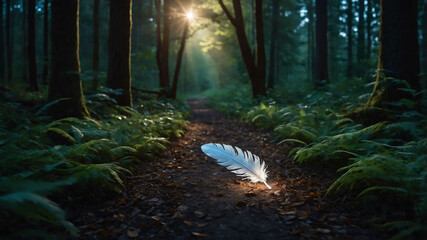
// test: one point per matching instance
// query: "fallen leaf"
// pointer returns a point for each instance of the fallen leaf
(133, 234)
(323, 230)
(240, 204)
(188, 223)
(199, 213)
(197, 234)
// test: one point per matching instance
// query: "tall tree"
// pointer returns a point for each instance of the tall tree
(321, 69)
(361, 34)
(179, 59)
(32, 61)
(95, 56)
(163, 40)
(255, 64)
(119, 49)
(398, 54)
(369, 19)
(9, 48)
(25, 41)
(65, 82)
(424, 38)
(45, 40)
(311, 41)
(2, 62)
(349, 38)
(273, 44)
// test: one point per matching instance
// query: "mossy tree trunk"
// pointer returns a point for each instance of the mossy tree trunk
(174, 88)
(32, 58)
(9, 48)
(398, 57)
(321, 68)
(119, 49)
(163, 41)
(361, 37)
(65, 82)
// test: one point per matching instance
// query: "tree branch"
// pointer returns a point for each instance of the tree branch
(227, 12)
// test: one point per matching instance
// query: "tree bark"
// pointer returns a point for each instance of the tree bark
(254, 67)
(119, 49)
(66, 81)
(321, 71)
(398, 54)
(311, 47)
(179, 60)
(349, 38)
(273, 39)
(95, 54)
(45, 40)
(2, 60)
(9, 49)
(32, 60)
(369, 30)
(361, 35)
(164, 80)
(25, 42)
(424, 40)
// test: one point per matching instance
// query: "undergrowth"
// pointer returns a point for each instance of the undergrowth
(42, 159)
(382, 164)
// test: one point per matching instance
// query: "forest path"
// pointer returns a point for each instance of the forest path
(185, 194)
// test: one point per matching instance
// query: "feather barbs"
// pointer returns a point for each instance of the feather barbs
(243, 163)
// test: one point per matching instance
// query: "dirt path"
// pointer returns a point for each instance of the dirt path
(187, 195)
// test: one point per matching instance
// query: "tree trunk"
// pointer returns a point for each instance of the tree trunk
(119, 49)
(398, 54)
(349, 38)
(32, 61)
(2, 62)
(361, 36)
(45, 40)
(254, 67)
(273, 39)
(310, 42)
(95, 56)
(260, 47)
(369, 30)
(65, 82)
(164, 56)
(25, 41)
(424, 41)
(321, 71)
(9, 48)
(179, 60)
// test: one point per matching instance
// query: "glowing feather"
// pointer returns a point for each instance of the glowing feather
(242, 163)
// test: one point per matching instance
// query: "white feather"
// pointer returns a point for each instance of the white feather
(242, 163)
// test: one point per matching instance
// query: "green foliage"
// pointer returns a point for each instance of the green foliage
(41, 158)
(383, 163)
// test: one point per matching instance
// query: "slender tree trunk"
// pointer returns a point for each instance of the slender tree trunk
(32, 60)
(25, 41)
(321, 71)
(95, 54)
(164, 68)
(2, 61)
(369, 30)
(9, 49)
(273, 39)
(261, 58)
(398, 55)
(349, 38)
(424, 41)
(361, 35)
(310, 42)
(159, 40)
(179, 60)
(45, 40)
(255, 67)
(65, 82)
(119, 49)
